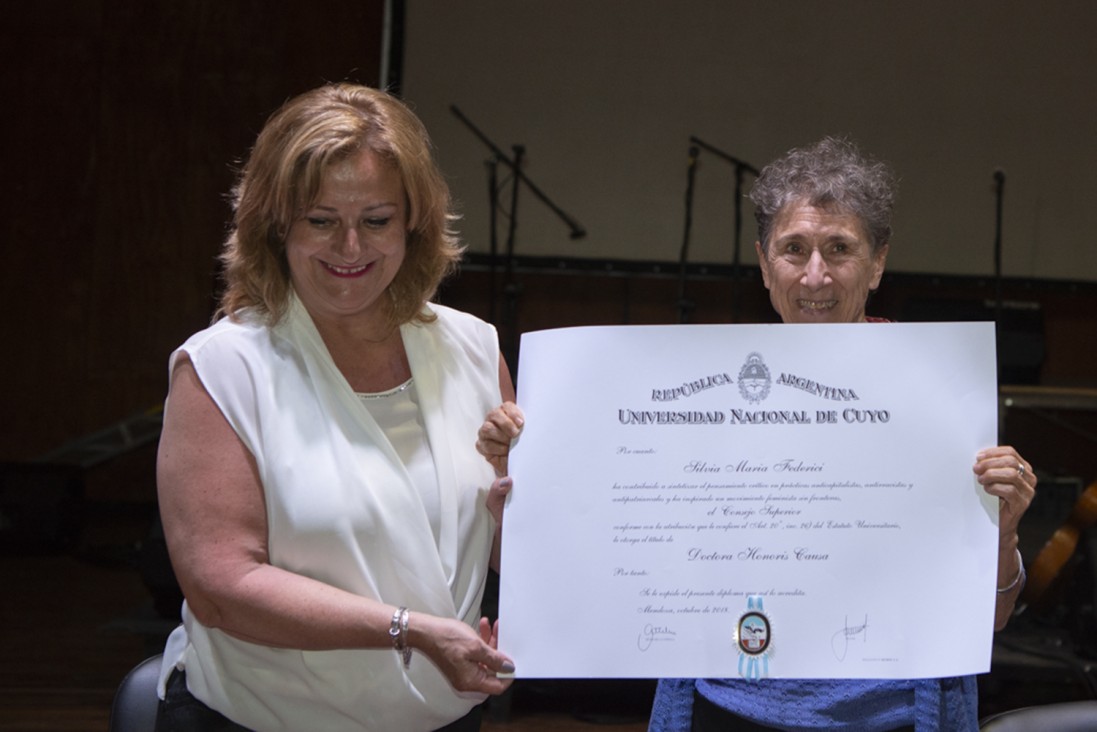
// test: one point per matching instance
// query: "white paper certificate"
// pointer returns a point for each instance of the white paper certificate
(791, 501)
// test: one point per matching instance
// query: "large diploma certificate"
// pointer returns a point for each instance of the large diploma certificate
(791, 501)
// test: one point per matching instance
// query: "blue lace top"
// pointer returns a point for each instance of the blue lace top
(864, 705)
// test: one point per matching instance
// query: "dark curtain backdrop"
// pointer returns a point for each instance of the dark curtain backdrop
(123, 119)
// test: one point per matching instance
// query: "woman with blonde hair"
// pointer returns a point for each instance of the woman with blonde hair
(328, 517)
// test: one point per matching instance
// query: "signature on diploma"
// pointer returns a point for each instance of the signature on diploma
(650, 634)
(839, 642)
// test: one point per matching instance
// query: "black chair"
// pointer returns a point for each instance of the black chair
(135, 702)
(1078, 716)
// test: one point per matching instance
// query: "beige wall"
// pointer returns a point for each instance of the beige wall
(605, 94)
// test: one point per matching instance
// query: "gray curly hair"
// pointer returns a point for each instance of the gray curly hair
(832, 174)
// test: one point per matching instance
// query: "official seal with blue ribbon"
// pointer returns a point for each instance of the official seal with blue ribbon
(754, 639)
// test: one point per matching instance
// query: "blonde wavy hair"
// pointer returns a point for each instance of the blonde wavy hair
(281, 179)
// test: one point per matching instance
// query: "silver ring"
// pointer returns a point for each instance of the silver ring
(1021, 469)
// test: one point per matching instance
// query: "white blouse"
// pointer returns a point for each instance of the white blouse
(357, 502)
(397, 413)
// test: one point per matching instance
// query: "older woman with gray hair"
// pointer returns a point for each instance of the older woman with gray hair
(824, 226)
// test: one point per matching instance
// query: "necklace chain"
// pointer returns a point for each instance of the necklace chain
(391, 392)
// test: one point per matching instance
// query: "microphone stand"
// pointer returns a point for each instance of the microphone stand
(999, 325)
(493, 238)
(684, 305)
(741, 168)
(577, 230)
(511, 289)
(999, 190)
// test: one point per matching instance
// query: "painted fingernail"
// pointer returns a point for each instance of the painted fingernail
(507, 667)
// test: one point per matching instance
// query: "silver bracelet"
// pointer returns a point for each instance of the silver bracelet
(1019, 579)
(398, 631)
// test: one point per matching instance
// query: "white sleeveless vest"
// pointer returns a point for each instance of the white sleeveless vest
(341, 509)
